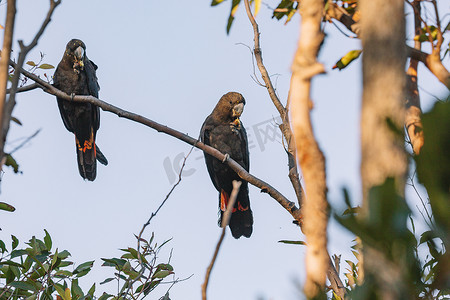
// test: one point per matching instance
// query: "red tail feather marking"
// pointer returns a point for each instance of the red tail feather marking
(224, 198)
(241, 208)
(87, 144)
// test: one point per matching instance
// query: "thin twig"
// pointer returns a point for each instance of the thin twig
(148, 223)
(225, 221)
(412, 184)
(26, 88)
(25, 141)
(255, 78)
(285, 127)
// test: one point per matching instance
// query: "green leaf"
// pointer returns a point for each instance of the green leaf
(76, 291)
(133, 252)
(59, 289)
(15, 242)
(65, 264)
(6, 206)
(162, 274)
(31, 63)
(15, 120)
(148, 287)
(292, 242)
(10, 276)
(47, 240)
(107, 280)
(11, 162)
(167, 267)
(283, 9)
(3, 247)
(105, 296)
(216, 2)
(347, 59)
(11, 263)
(46, 66)
(27, 264)
(91, 290)
(55, 257)
(63, 273)
(23, 286)
(427, 236)
(82, 273)
(63, 254)
(114, 262)
(166, 296)
(352, 211)
(16, 271)
(234, 7)
(83, 267)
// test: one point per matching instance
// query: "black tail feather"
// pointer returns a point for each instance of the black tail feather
(87, 164)
(241, 221)
(101, 157)
(241, 224)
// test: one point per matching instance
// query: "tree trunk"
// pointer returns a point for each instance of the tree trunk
(310, 158)
(4, 66)
(382, 117)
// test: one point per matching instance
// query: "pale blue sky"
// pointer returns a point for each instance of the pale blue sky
(171, 62)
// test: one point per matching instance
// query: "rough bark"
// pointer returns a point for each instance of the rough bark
(4, 63)
(310, 157)
(383, 112)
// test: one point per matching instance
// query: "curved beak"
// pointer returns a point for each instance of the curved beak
(79, 55)
(237, 110)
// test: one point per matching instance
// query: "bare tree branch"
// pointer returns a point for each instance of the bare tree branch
(225, 221)
(25, 141)
(309, 155)
(4, 64)
(285, 127)
(26, 88)
(24, 50)
(265, 187)
(139, 237)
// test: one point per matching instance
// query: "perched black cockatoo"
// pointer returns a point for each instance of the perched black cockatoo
(75, 75)
(224, 131)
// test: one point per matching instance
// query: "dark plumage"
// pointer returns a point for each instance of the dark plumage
(224, 131)
(75, 75)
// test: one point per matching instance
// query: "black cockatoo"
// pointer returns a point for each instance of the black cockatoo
(224, 131)
(75, 75)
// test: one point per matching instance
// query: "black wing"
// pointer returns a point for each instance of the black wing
(244, 148)
(60, 78)
(94, 87)
(205, 138)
